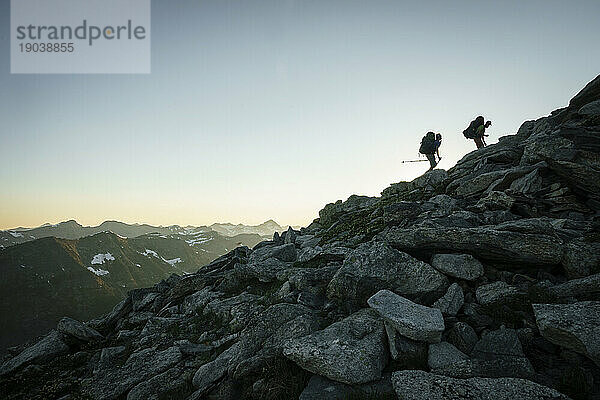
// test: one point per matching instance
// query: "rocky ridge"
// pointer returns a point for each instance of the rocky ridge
(478, 282)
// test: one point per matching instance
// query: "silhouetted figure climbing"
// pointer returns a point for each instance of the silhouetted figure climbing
(430, 145)
(476, 131)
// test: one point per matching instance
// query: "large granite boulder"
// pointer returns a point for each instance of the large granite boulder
(421, 385)
(263, 271)
(109, 356)
(321, 388)
(496, 201)
(161, 386)
(196, 301)
(115, 382)
(475, 185)
(572, 326)
(508, 367)
(143, 300)
(463, 337)
(238, 310)
(71, 327)
(51, 346)
(497, 354)
(351, 351)
(412, 320)
(503, 342)
(331, 212)
(452, 301)
(581, 258)
(587, 288)
(443, 354)
(328, 253)
(486, 242)
(110, 320)
(461, 266)
(406, 353)
(374, 266)
(497, 293)
(528, 184)
(285, 253)
(270, 329)
(590, 109)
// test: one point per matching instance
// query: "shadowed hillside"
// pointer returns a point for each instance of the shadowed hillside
(84, 278)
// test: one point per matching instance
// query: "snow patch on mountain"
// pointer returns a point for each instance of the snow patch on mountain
(173, 261)
(150, 253)
(101, 258)
(198, 240)
(98, 271)
(153, 253)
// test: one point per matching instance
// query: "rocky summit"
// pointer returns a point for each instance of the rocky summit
(480, 282)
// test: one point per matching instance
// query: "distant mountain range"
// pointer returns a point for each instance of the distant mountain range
(71, 270)
(265, 229)
(73, 230)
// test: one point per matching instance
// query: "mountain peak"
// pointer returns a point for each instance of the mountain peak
(270, 223)
(71, 222)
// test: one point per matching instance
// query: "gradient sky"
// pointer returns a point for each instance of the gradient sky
(271, 109)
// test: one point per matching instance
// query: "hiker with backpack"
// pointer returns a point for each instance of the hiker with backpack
(476, 131)
(430, 145)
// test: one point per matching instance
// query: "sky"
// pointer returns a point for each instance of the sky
(258, 110)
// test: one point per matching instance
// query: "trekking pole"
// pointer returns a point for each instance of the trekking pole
(406, 161)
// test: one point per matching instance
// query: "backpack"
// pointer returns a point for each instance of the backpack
(470, 132)
(428, 144)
